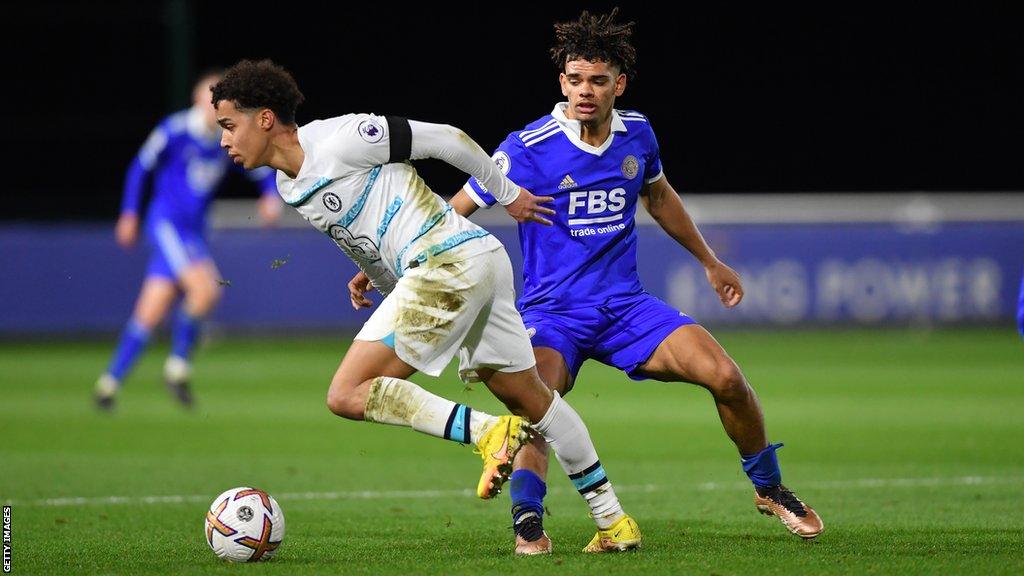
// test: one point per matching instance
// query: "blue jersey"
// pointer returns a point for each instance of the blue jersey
(588, 257)
(187, 164)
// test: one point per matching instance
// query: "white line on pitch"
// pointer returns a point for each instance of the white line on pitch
(414, 494)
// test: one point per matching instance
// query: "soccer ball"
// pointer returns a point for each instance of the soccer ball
(244, 525)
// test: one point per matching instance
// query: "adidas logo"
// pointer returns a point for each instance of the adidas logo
(567, 183)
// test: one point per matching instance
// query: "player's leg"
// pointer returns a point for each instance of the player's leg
(364, 361)
(528, 482)
(691, 354)
(370, 382)
(498, 352)
(155, 299)
(552, 344)
(565, 432)
(200, 282)
(187, 259)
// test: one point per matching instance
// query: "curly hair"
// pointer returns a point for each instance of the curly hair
(261, 84)
(596, 39)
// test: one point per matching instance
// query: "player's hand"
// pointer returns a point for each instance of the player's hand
(269, 208)
(726, 283)
(127, 230)
(358, 286)
(527, 208)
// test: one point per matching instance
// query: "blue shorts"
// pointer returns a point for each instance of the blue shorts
(622, 333)
(174, 249)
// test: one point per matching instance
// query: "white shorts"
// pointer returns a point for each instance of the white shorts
(467, 307)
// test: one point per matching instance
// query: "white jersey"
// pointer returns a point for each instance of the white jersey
(381, 214)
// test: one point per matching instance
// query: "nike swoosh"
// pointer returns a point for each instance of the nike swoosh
(503, 451)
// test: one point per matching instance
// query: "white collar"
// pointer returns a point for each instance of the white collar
(197, 126)
(573, 129)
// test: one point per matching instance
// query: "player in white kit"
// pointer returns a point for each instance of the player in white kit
(448, 282)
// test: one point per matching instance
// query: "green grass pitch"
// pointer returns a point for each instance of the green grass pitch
(909, 444)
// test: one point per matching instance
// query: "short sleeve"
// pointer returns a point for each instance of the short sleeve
(652, 160)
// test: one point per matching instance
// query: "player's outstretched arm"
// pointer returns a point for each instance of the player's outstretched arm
(529, 208)
(666, 207)
(525, 208)
(451, 145)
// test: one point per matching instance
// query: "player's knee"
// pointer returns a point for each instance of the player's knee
(148, 319)
(342, 403)
(213, 295)
(202, 300)
(729, 384)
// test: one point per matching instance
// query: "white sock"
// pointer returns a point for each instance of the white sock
(565, 431)
(107, 385)
(402, 403)
(177, 369)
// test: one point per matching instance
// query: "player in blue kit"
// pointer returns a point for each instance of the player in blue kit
(582, 297)
(184, 159)
(1020, 309)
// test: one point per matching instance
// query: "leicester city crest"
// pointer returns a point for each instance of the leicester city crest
(630, 167)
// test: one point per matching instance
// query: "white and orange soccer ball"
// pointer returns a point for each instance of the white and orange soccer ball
(244, 525)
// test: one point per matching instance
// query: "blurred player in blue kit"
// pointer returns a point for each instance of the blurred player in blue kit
(183, 158)
(1020, 309)
(582, 296)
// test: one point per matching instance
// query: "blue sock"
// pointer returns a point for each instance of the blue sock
(184, 334)
(527, 491)
(133, 342)
(763, 468)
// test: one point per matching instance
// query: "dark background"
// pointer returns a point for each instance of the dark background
(840, 99)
